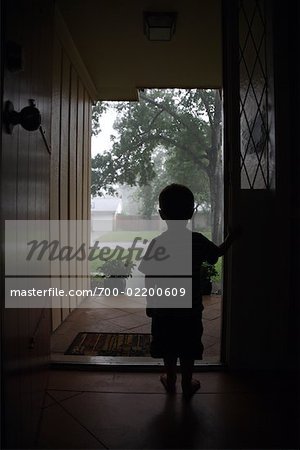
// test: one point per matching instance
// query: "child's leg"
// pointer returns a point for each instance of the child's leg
(187, 367)
(170, 366)
(189, 385)
(169, 380)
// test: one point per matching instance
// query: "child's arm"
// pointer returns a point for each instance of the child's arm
(230, 238)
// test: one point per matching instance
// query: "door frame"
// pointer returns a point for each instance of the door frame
(231, 145)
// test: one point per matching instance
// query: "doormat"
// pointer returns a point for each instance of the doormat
(110, 344)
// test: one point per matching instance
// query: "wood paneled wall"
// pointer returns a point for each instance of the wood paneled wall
(25, 170)
(28, 174)
(70, 164)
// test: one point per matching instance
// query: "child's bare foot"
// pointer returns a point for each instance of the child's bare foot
(190, 389)
(170, 387)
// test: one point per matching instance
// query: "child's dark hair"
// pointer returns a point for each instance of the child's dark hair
(176, 202)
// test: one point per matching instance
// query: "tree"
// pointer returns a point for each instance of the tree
(98, 109)
(187, 125)
(147, 195)
(171, 168)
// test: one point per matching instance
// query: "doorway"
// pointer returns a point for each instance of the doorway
(169, 135)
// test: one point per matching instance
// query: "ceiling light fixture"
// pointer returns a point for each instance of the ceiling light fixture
(159, 26)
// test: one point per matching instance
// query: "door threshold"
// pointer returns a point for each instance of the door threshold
(78, 362)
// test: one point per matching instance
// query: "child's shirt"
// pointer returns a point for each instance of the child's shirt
(178, 254)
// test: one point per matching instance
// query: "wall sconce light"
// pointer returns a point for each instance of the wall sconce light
(159, 26)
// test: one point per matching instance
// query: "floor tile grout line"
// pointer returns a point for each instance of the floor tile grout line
(62, 400)
(138, 326)
(78, 421)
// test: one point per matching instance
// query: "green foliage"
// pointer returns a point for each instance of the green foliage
(170, 135)
(208, 271)
(98, 109)
(116, 268)
(97, 263)
(166, 126)
(104, 175)
(219, 269)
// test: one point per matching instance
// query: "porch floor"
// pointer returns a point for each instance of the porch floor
(97, 316)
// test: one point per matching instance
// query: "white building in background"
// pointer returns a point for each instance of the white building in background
(103, 215)
(130, 202)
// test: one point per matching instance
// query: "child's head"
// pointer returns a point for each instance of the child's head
(176, 202)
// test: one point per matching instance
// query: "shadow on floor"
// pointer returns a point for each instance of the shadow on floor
(86, 410)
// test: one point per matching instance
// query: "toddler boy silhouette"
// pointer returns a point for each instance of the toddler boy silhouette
(177, 331)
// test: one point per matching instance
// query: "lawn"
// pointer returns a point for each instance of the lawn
(127, 236)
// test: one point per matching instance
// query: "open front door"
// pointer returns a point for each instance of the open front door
(253, 194)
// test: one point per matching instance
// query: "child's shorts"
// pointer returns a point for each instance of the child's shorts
(177, 335)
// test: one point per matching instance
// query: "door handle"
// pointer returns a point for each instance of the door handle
(29, 117)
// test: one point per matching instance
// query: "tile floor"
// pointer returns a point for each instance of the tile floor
(95, 317)
(97, 410)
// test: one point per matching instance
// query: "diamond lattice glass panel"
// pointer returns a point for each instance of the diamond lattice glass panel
(254, 121)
